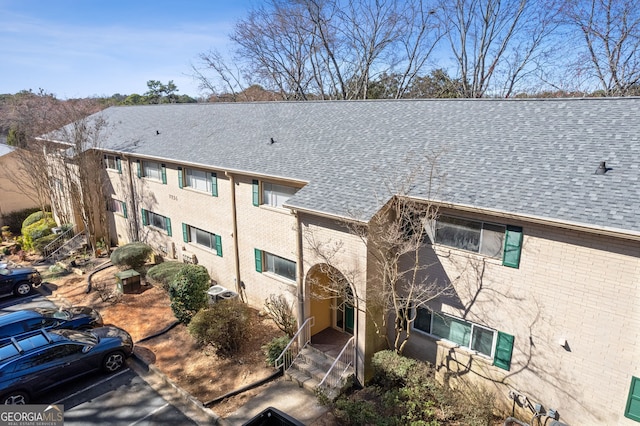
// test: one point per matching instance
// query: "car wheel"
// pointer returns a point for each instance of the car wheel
(15, 398)
(22, 288)
(113, 362)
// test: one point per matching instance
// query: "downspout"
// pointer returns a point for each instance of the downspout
(236, 250)
(133, 200)
(299, 268)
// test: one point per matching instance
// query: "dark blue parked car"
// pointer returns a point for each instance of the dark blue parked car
(28, 321)
(33, 365)
(19, 281)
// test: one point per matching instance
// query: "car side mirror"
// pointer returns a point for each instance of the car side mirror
(86, 349)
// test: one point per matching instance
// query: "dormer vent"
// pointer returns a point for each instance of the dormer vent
(602, 168)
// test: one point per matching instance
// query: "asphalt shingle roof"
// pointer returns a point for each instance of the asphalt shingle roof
(529, 157)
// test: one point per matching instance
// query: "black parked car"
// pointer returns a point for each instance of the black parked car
(29, 321)
(33, 365)
(18, 281)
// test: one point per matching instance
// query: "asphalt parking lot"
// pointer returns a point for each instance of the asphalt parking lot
(123, 398)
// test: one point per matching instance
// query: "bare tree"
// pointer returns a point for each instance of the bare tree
(62, 166)
(31, 115)
(327, 49)
(610, 33)
(397, 241)
(85, 174)
(496, 43)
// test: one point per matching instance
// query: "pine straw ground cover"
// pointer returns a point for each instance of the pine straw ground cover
(196, 369)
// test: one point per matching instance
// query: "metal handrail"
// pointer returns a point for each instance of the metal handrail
(346, 358)
(57, 243)
(67, 243)
(293, 348)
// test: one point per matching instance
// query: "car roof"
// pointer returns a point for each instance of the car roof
(25, 345)
(17, 316)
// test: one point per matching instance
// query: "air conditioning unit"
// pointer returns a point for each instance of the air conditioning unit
(229, 294)
(214, 293)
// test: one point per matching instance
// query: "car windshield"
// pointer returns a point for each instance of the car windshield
(54, 313)
(83, 337)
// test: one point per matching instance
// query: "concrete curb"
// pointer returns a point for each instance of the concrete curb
(178, 397)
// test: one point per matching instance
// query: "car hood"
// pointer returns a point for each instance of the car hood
(22, 271)
(108, 332)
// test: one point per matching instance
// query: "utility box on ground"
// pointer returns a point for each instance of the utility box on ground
(128, 281)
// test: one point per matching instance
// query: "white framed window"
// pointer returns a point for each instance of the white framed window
(280, 266)
(156, 220)
(475, 236)
(152, 170)
(198, 180)
(198, 236)
(466, 334)
(112, 162)
(275, 195)
(119, 207)
(267, 262)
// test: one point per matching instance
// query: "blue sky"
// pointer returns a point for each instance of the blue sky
(80, 48)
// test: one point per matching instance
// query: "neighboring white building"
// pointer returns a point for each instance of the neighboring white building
(539, 227)
(13, 196)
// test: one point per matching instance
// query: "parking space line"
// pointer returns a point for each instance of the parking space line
(150, 414)
(106, 379)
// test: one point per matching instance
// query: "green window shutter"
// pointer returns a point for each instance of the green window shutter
(258, 254)
(119, 164)
(167, 222)
(256, 193)
(504, 350)
(632, 410)
(512, 247)
(124, 209)
(139, 168)
(163, 169)
(218, 245)
(145, 218)
(180, 178)
(214, 184)
(185, 233)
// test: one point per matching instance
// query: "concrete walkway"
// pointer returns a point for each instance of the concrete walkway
(287, 397)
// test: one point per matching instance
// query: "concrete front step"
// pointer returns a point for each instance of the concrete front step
(309, 368)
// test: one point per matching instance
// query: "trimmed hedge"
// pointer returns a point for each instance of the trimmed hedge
(33, 218)
(34, 231)
(131, 256)
(188, 292)
(164, 273)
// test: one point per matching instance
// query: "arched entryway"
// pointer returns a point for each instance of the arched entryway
(331, 299)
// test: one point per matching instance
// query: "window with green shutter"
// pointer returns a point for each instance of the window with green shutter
(214, 184)
(145, 217)
(139, 168)
(258, 256)
(504, 350)
(180, 178)
(219, 245)
(168, 225)
(256, 193)
(632, 410)
(163, 171)
(119, 164)
(124, 209)
(512, 247)
(185, 233)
